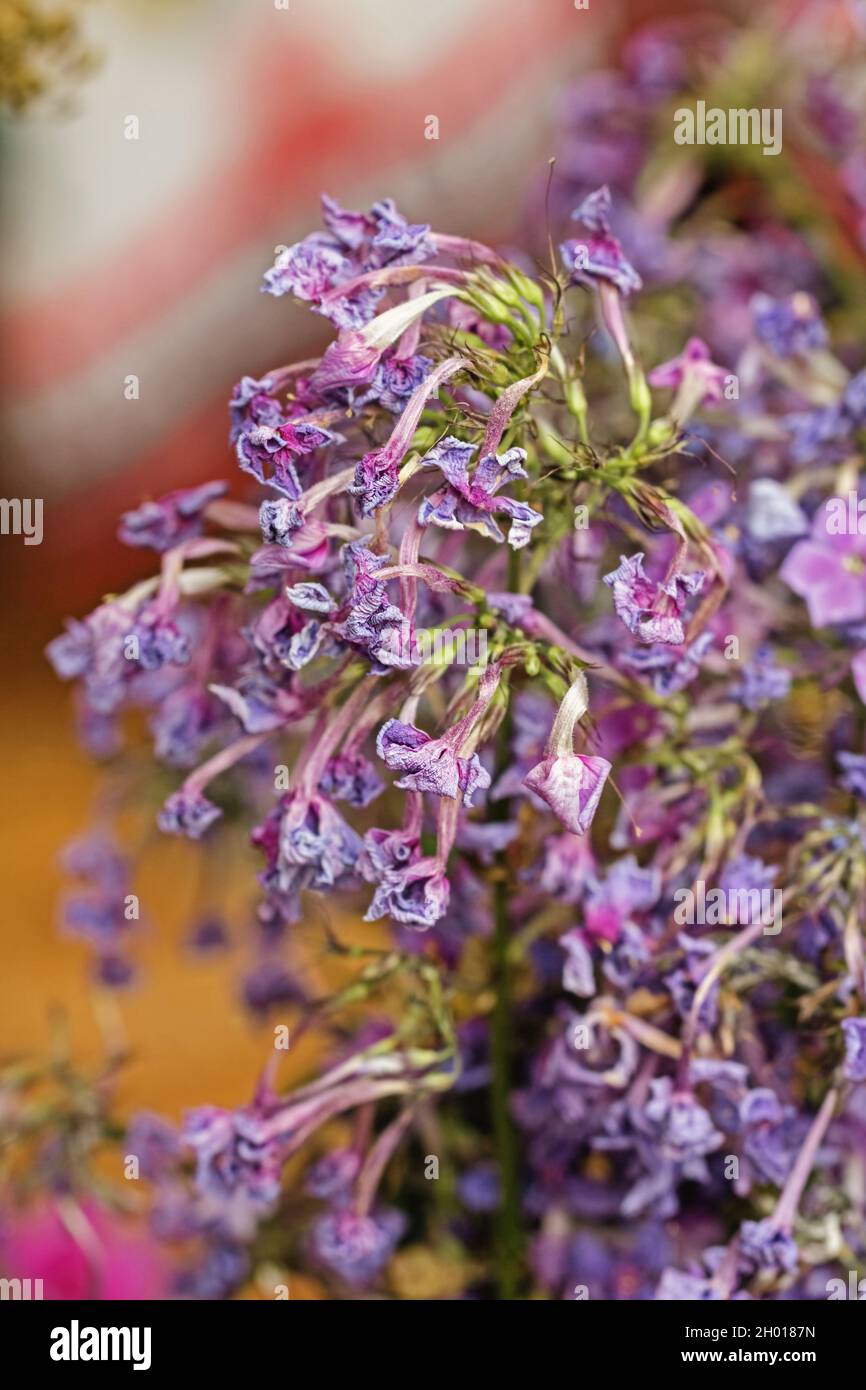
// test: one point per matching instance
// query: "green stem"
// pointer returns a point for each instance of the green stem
(509, 1239)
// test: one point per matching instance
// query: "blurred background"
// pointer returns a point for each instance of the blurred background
(142, 257)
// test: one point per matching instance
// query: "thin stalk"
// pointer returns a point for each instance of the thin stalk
(509, 1239)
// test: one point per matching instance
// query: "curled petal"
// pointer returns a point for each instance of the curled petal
(571, 784)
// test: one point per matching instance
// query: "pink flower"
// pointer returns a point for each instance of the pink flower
(828, 571)
(84, 1252)
(696, 378)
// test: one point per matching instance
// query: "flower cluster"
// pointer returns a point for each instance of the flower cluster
(620, 858)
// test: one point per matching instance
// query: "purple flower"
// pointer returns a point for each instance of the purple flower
(762, 681)
(571, 784)
(113, 970)
(223, 1270)
(854, 400)
(429, 764)
(95, 650)
(746, 880)
(306, 844)
(182, 723)
(598, 256)
(348, 363)
(417, 895)
(652, 612)
(280, 519)
(351, 777)
(388, 852)
(316, 846)
(260, 703)
(332, 1176)
(314, 269)
(820, 433)
(174, 518)
(396, 241)
(351, 229)
(486, 839)
(377, 474)
(371, 622)
(578, 975)
(680, 1123)
(790, 327)
(669, 669)
(307, 270)
(773, 1134)
(238, 1166)
(252, 404)
(609, 902)
(762, 1245)
(98, 910)
(469, 502)
(96, 859)
(209, 933)
(154, 640)
(187, 812)
(361, 362)
(409, 889)
(268, 452)
(270, 985)
(378, 238)
(354, 1247)
(854, 779)
(479, 1188)
(311, 597)
(376, 479)
(397, 378)
(854, 1033)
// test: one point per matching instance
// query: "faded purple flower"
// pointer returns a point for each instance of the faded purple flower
(332, 1176)
(651, 611)
(429, 764)
(571, 784)
(762, 681)
(174, 518)
(598, 256)
(351, 777)
(854, 1033)
(790, 327)
(762, 1245)
(268, 452)
(854, 778)
(469, 502)
(187, 812)
(416, 896)
(356, 1248)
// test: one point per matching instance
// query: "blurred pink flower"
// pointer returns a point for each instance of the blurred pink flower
(83, 1252)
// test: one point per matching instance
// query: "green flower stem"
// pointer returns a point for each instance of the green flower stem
(508, 1236)
(575, 396)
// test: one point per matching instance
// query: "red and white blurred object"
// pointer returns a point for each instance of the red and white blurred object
(144, 256)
